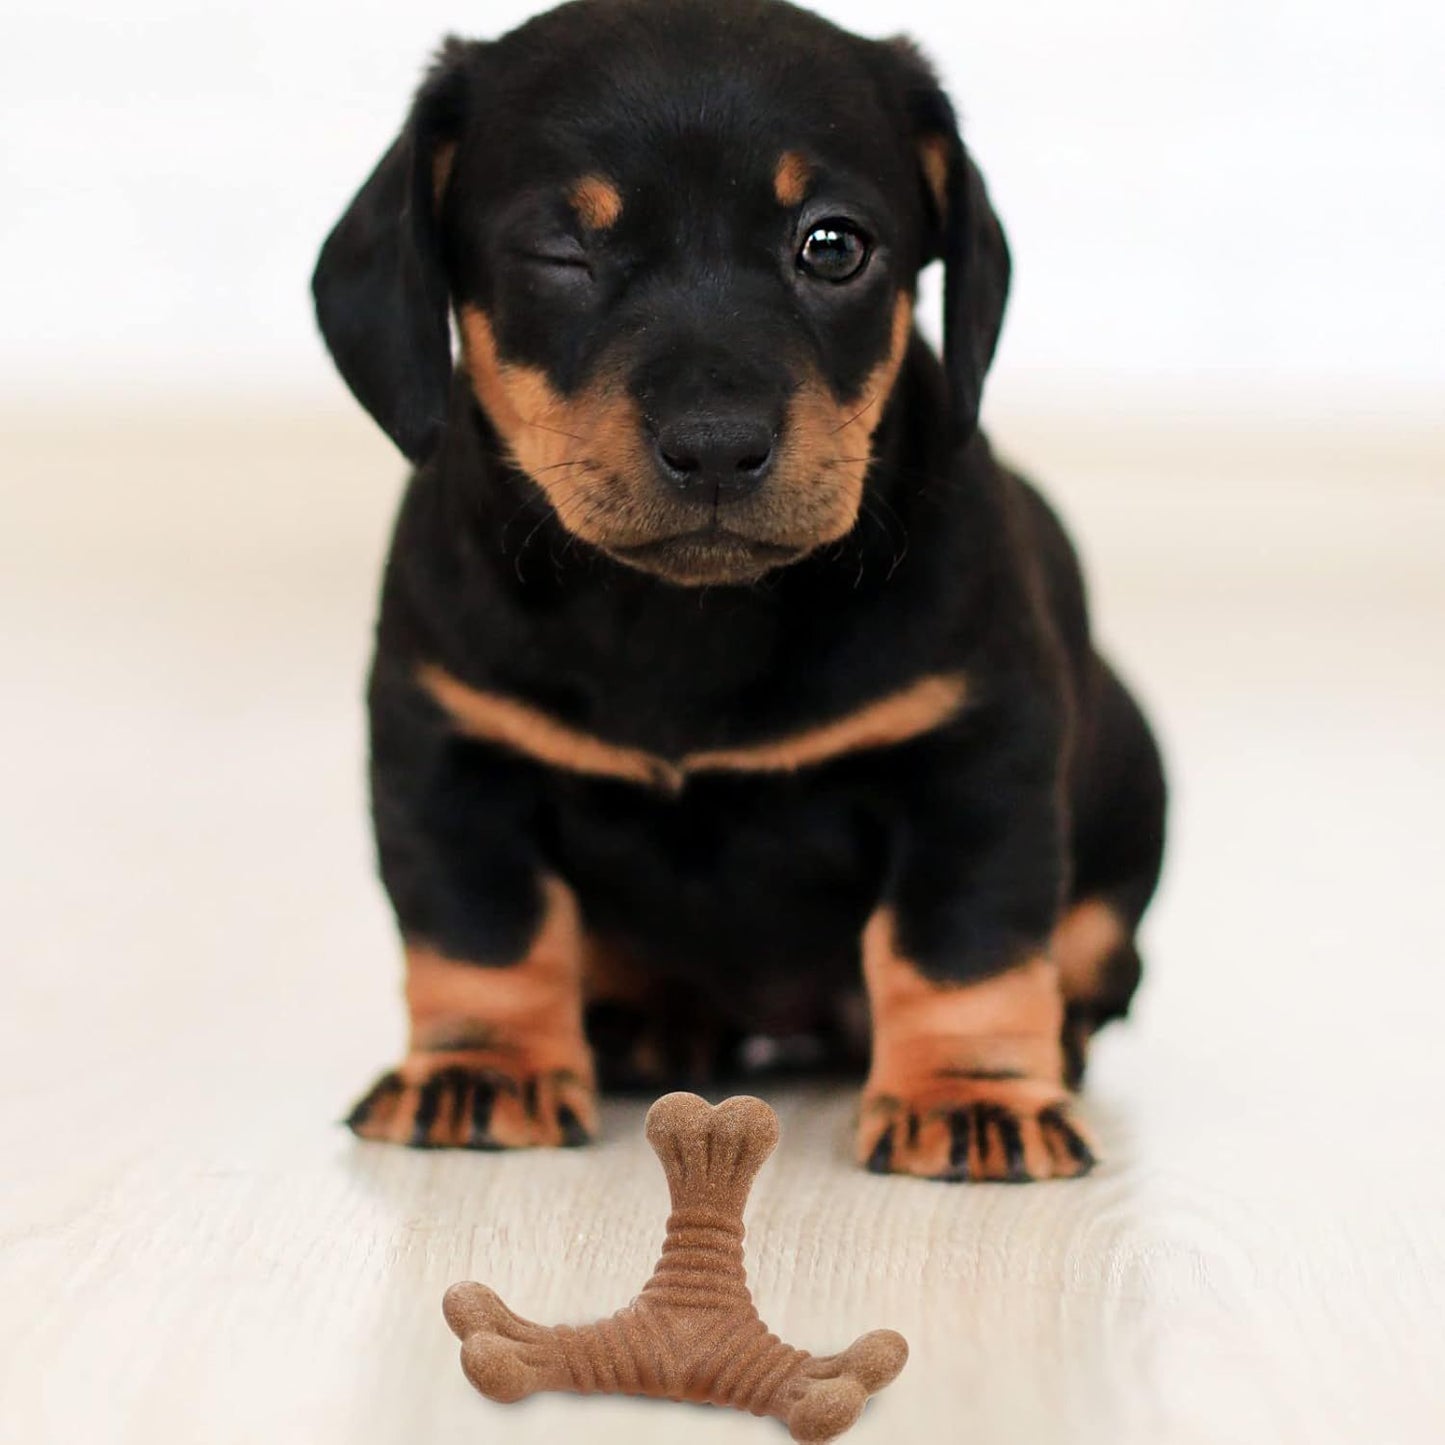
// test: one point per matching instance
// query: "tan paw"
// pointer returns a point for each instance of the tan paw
(460, 1102)
(974, 1128)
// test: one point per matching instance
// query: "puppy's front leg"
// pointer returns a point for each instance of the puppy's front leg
(967, 1073)
(497, 1057)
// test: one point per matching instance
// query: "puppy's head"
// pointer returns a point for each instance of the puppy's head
(680, 243)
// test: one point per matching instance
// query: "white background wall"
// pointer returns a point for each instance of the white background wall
(1222, 204)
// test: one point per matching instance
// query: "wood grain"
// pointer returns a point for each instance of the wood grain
(198, 975)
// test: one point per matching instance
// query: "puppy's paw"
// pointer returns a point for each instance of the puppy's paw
(477, 1102)
(1008, 1129)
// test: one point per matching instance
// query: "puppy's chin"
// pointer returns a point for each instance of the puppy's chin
(710, 558)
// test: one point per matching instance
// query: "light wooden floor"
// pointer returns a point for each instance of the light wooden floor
(198, 975)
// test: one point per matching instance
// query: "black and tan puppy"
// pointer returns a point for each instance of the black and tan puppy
(727, 689)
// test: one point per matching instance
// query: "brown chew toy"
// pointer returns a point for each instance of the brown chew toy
(693, 1333)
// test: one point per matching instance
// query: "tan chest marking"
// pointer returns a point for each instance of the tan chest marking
(490, 717)
(917, 709)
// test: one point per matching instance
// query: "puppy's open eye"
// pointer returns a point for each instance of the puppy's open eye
(834, 251)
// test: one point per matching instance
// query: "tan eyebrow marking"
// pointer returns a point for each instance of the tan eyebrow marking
(790, 180)
(597, 201)
(920, 708)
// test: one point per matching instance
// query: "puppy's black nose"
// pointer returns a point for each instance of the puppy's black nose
(716, 454)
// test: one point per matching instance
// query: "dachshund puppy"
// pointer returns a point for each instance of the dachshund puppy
(731, 702)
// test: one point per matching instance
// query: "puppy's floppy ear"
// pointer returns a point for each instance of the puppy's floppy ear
(962, 229)
(380, 285)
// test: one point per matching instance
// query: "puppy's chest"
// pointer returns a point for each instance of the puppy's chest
(661, 702)
(665, 680)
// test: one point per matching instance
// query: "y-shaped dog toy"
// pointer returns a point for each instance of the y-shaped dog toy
(693, 1333)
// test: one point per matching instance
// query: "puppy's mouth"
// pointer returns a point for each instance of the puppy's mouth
(711, 555)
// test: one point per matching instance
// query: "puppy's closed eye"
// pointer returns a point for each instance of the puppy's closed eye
(562, 251)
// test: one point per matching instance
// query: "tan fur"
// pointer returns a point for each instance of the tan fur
(933, 157)
(820, 473)
(922, 1028)
(515, 1030)
(532, 1009)
(589, 454)
(496, 719)
(441, 170)
(597, 201)
(790, 180)
(912, 711)
(989, 1049)
(920, 708)
(579, 450)
(611, 975)
(1087, 937)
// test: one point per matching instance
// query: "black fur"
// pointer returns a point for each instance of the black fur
(743, 896)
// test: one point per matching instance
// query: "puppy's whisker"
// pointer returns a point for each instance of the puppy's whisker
(870, 508)
(583, 463)
(860, 413)
(570, 508)
(541, 522)
(579, 513)
(881, 501)
(532, 500)
(556, 431)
